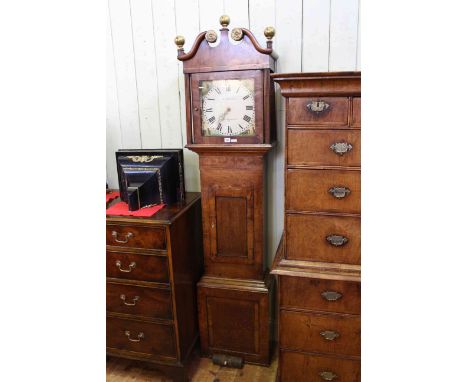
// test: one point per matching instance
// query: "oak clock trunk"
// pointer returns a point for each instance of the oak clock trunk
(230, 124)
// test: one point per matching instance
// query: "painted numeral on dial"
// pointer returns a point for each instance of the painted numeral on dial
(249, 107)
(211, 120)
(247, 118)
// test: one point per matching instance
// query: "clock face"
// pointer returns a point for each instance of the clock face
(227, 107)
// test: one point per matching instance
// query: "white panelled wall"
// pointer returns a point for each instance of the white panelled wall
(145, 85)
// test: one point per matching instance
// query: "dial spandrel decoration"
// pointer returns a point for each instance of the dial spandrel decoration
(228, 107)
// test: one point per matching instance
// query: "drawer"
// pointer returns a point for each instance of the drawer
(141, 337)
(323, 333)
(131, 266)
(319, 294)
(133, 236)
(323, 190)
(331, 239)
(138, 300)
(324, 147)
(356, 118)
(298, 367)
(318, 111)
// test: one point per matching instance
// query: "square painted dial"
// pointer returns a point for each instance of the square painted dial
(227, 107)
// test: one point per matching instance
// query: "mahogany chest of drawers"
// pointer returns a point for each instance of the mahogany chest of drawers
(318, 259)
(153, 265)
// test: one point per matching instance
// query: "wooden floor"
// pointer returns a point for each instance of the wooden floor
(201, 370)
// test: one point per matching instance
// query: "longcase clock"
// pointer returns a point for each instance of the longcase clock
(230, 124)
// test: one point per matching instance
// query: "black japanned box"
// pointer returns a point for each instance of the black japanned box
(150, 177)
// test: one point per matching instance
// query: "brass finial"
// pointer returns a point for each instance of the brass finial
(179, 41)
(224, 20)
(269, 32)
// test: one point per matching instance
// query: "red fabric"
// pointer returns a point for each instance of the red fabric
(122, 209)
(111, 196)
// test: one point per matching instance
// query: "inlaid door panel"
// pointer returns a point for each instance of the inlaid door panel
(231, 223)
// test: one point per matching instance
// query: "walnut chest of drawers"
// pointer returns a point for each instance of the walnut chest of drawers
(153, 265)
(318, 259)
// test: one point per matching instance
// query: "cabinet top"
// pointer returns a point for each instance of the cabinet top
(321, 83)
(166, 216)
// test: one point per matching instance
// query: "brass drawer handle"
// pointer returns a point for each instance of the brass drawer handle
(341, 148)
(128, 236)
(318, 106)
(140, 336)
(339, 192)
(331, 295)
(329, 335)
(328, 375)
(124, 298)
(337, 240)
(132, 265)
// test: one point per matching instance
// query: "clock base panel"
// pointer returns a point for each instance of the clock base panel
(235, 318)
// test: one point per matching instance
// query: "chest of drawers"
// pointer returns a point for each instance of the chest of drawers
(153, 265)
(318, 259)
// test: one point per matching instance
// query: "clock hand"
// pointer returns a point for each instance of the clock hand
(221, 118)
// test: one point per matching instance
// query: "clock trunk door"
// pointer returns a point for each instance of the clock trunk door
(227, 107)
(231, 224)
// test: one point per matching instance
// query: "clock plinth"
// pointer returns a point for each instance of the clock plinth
(230, 124)
(235, 317)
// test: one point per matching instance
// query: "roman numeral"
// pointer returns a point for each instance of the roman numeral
(245, 97)
(219, 127)
(209, 110)
(229, 130)
(247, 118)
(249, 107)
(212, 119)
(242, 127)
(217, 90)
(210, 99)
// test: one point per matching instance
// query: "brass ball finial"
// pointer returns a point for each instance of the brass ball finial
(179, 41)
(269, 32)
(224, 20)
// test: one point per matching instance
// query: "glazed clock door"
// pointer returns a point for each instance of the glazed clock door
(231, 220)
(227, 107)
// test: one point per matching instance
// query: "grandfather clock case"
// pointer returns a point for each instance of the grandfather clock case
(231, 126)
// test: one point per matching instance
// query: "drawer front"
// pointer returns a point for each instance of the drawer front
(333, 239)
(132, 236)
(132, 266)
(323, 190)
(297, 367)
(324, 147)
(322, 295)
(323, 333)
(142, 337)
(356, 119)
(139, 300)
(318, 111)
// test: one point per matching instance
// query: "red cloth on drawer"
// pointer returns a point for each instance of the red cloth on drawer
(111, 196)
(121, 208)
